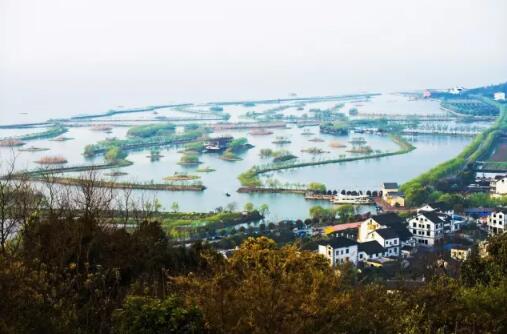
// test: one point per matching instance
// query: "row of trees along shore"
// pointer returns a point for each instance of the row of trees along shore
(419, 189)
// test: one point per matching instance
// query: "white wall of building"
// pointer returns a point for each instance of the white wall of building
(496, 222)
(499, 96)
(339, 255)
(501, 186)
(425, 232)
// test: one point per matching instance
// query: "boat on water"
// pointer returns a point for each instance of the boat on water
(260, 132)
(351, 199)
(218, 144)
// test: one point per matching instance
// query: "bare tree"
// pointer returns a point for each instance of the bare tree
(19, 200)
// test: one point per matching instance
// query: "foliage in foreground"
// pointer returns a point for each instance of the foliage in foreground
(67, 269)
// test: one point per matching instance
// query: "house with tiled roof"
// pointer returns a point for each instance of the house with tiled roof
(497, 221)
(452, 222)
(427, 228)
(387, 220)
(440, 207)
(392, 195)
(339, 250)
(370, 250)
(389, 239)
(498, 186)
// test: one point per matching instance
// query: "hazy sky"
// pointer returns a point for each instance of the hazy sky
(74, 56)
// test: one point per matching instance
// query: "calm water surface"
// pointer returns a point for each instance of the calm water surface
(357, 175)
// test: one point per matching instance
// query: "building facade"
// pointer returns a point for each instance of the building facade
(498, 185)
(499, 96)
(496, 222)
(388, 239)
(427, 229)
(339, 251)
(370, 250)
(391, 194)
(382, 221)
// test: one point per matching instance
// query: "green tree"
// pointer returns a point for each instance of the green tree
(315, 186)
(175, 207)
(318, 212)
(264, 209)
(264, 289)
(238, 144)
(249, 207)
(416, 194)
(145, 315)
(345, 212)
(114, 154)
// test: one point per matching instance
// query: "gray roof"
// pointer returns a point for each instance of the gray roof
(433, 217)
(440, 206)
(338, 242)
(387, 233)
(390, 185)
(370, 247)
(395, 222)
(388, 219)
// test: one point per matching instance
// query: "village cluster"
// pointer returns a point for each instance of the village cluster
(387, 237)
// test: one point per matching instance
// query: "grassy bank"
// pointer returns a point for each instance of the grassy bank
(250, 177)
(185, 224)
(142, 143)
(51, 132)
(70, 181)
(79, 168)
(480, 146)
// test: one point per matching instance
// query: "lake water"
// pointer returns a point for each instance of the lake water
(356, 175)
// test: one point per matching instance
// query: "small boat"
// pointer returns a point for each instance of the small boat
(227, 194)
(352, 199)
(260, 132)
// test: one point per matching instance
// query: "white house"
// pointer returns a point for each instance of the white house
(496, 221)
(370, 250)
(391, 194)
(427, 228)
(388, 239)
(452, 222)
(440, 207)
(498, 185)
(339, 250)
(391, 220)
(499, 96)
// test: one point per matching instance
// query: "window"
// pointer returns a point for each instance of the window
(395, 241)
(414, 224)
(347, 251)
(428, 233)
(361, 255)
